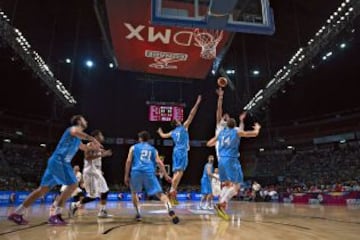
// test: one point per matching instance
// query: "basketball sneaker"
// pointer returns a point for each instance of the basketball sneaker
(138, 217)
(73, 209)
(104, 214)
(220, 211)
(175, 219)
(17, 218)
(57, 220)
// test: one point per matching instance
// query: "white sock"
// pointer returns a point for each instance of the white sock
(172, 189)
(231, 192)
(20, 209)
(168, 206)
(223, 193)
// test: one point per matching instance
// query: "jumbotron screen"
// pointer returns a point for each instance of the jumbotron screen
(165, 113)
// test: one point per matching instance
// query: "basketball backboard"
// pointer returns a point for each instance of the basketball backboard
(247, 16)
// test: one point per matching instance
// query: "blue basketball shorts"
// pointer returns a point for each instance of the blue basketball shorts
(230, 170)
(140, 180)
(180, 160)
(58, 172)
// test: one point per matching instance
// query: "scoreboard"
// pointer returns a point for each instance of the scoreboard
(165, 113)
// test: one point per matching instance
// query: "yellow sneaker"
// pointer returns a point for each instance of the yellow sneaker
(220, 211)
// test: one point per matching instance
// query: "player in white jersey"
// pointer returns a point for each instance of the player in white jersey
(94, 181)
(215, 183)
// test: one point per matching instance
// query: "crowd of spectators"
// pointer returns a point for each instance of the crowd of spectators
(22, 166)
(329, 168)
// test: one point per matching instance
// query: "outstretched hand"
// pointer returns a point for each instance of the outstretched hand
(220, 92)
(159, 131)
(257, 127)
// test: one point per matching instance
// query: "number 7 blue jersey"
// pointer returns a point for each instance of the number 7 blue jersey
(144, 158)
(228, 143)
(180, 137)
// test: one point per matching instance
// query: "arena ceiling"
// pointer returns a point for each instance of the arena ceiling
(70, 29)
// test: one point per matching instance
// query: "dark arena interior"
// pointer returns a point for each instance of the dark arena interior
(285, 71)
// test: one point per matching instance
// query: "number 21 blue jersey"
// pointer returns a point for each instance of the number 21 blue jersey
(229, 142)
(144, 158)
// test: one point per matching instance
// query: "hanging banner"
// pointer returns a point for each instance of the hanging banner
(171, 51)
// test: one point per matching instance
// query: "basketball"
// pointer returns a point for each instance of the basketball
(222, 82)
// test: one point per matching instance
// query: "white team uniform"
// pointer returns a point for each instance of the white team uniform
(216, 185)
(78, 189)
(94, 181)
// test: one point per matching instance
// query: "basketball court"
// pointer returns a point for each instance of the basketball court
(248, 221)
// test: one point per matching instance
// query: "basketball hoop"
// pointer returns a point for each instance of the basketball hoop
(208, 41)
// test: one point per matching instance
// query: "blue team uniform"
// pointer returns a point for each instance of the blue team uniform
(206, 180)
(229, 165)
(180, 136)
(59, 170)
(143, 169)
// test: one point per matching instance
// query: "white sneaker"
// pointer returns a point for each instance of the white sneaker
(210, 207)
(104, 214)
(73, 209)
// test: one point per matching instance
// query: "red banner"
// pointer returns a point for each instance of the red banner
(142, 47)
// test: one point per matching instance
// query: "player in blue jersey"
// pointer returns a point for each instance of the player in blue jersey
(180, 136)
(59, 171)
(140, 172)
(206, 189)
(229, 166)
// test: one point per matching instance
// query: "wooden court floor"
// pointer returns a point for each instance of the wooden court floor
(249, 221)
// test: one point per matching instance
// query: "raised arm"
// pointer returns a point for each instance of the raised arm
(241, 118)
(162, 134)
(219, 110)
(128, 166)
(192, 112)
(248, 134)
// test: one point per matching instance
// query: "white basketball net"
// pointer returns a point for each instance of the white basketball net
(208, 41)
